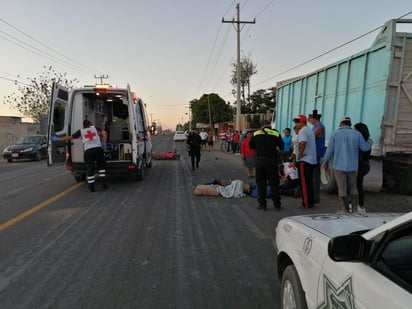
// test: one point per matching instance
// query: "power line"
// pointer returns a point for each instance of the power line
(325, 53)
(265, 8)
(245, 36)
(14, 81)
(218, 57)
(210, 56)
(211, 53)
(37, 51)
(78, 64)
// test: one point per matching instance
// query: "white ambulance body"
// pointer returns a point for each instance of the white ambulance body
(116, 110)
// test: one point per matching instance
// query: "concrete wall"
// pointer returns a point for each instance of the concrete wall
(11, 128)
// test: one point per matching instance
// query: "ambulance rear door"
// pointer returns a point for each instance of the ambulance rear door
(132, 123)
(58, 123)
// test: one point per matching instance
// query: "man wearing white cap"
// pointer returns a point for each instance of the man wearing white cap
(343, 148)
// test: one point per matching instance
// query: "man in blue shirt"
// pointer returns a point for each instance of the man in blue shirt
(306, 159)
(287, 141)
(343, 148)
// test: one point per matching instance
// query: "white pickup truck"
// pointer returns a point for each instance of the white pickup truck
(345, 260)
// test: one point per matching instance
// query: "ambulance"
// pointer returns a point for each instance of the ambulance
(118, 111)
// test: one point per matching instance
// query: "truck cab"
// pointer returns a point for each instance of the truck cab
(118, 111)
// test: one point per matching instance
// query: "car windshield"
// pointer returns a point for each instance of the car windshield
(28, 140)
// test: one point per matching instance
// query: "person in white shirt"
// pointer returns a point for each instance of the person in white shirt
(306, 160)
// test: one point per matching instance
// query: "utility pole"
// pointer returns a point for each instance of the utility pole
(190, 120)
(238, 22)
(101, 77)
(210, 114)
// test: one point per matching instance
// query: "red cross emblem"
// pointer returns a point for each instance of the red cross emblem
(90, 135)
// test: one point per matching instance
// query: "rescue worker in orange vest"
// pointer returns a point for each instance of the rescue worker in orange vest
(93, 151)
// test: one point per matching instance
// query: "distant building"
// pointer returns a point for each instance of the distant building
(11, 128)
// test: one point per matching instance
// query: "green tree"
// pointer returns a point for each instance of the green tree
(220, 111)
(33, 99)
(260, 101)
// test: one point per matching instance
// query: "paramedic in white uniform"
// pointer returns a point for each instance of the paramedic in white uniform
(93, 151)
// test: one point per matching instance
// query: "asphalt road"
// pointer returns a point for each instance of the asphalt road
(147, 244)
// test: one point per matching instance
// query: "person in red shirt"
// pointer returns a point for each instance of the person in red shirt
(248, 155)
(235, 142)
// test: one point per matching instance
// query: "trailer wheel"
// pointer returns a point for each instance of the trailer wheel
(398, 177)
(327, 179)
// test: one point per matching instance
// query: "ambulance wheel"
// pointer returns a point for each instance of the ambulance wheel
(291, 292)
(79, 177)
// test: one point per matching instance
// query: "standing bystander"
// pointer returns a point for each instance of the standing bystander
(363, 167)
(306, 158)
(210, 138)
(318, 129)
(194, 141)
(287, 150)
(229, 139)
(248, 155)
(203, 137)
(343, 148)
(235, 142)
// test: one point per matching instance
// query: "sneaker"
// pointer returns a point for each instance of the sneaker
(361, 209)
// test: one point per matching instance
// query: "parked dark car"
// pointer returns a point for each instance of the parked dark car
(32, 147)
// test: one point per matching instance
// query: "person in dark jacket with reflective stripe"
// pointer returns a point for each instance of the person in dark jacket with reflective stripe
(267, 143)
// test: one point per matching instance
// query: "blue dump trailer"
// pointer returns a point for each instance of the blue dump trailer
(374, 87)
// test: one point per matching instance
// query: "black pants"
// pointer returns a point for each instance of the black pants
(194, 153)
(306, 183)
(92, 156)
(316, 181)
(363, 169)
(266, 169)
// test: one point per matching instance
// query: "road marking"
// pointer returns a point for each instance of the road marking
(29, 212)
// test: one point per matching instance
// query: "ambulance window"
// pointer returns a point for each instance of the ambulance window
(58, 116)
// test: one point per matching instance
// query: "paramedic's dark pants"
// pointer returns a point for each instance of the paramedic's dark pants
(266, 170)
(91, 156)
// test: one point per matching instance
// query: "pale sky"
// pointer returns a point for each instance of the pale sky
(173, 51)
